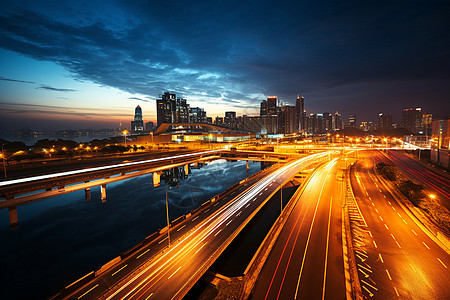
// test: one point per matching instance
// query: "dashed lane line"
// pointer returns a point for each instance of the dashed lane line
(389, 275)
(442, 263)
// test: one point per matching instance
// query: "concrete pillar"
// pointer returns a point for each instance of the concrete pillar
(186, 169)
(87, 194)
(156, 179)
(13, 220)
(48, 189)
(103, 192)
(247, 168)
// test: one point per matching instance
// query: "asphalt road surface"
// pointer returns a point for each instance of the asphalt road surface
(306, 260)
(394, 257)
(434, 182)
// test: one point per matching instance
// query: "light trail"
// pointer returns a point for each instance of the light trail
(81, 171)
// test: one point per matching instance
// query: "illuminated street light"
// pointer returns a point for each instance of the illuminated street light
(3, 156)
(125, 136)
(432, 196)
(167, 212)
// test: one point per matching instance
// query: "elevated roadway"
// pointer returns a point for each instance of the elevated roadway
(170, 273)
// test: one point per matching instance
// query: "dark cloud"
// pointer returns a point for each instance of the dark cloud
(241, 50)
(50, 88)
(15, 80)
(139, 99)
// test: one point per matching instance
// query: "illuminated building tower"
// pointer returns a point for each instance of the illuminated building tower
(138, 124)
(165, 108)
(272, 105)
(412, 119)
(384, 121)
(301, 113)
(352, 121)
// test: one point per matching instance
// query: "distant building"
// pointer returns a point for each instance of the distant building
(384, 121)
(197, 115)
(230, 120)
(138, 124)
(209, 120)
(426, 122)
(218, 120)
(165, 108)
(352, 120)
(301, 114)
(264, 109)
(412, 119)
(440, 143)
(272, 105)
(367, 126)
(149, 126)
(287, 120)
(260, 124)
(336, 122)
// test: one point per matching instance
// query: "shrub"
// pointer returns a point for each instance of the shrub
(414, 192)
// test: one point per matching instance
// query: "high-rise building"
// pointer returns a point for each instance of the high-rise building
(230, 119)
(426, 121)
(287, 120)
(181, 111)
(197, 115)
(352, 120)
(412, 119)
(384, 121)
(327, 122)
(264, 109)
(272, 105)
(166, 108)
(301, 113)
(138, 124)
(336, 121)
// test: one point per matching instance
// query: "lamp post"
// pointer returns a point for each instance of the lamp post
(125, 136)
(167, 212)
(3, 156)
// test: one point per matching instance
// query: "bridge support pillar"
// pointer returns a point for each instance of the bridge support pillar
(247, 168)
(48, 189)
(87, 194)
(13, 220)
(156, 178)
(60, 186)
(103, 192)
(186, 169)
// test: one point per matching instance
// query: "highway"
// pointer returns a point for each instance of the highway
(170, 273)
(395, 258)
(306, 261)
(434, 182)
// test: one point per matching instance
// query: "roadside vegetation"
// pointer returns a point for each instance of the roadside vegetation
(416, 194)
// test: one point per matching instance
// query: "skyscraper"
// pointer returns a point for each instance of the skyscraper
(412, 119)
(352, 120)
(301, 114)
(165, 108)
(272, 105)
(138, 124)
(384, 121)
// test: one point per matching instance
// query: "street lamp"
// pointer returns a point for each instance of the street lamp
(3, 156)
(125, 136)
(167, 212)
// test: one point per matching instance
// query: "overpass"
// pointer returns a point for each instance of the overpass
(171, 271)
(25, 190)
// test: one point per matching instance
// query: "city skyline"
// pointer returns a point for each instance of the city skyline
(87, 65)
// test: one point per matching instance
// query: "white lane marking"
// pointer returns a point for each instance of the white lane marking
(393, 236)
(381, 258)
(398, 244)
(413, 231)
(181, 227)
(375, 244)
(174, 272)
(377, 211)
(386, 226)
(195, 218)
(207, 210)
(426, 245)
(218, 232)
(88, 290)
(442, 263)
(404, 221)
(389, 202)
(146, 251)
(229, 223)
(239, 214)
(389, 275)
(149, 296)
(247, 205)
(413, 268)
(399, 215)
(381, 219)
(393, 208)
(162, 240)
(396, 292)
(200, 248)
(119, 270)
(368, 284)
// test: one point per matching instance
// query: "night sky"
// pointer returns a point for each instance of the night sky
(87, 64)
